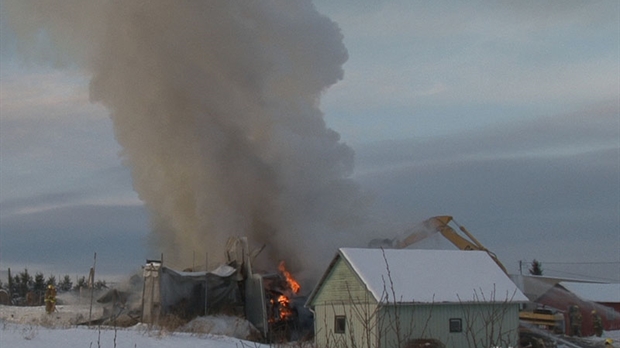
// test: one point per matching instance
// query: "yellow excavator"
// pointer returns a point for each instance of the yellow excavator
(440, 224)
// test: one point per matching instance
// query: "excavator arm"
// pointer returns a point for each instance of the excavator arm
(439, 224)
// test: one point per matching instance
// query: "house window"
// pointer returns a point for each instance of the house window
(340, 324)
(456, 325)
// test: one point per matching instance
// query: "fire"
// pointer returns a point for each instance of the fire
(285, 309)
(283, 300)
(280, 307)
(292, 283)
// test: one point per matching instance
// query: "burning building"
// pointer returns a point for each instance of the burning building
(216, 107)
(270, 301)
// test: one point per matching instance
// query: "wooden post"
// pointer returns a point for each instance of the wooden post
(206, 282)
(143, 292)
(92, 291)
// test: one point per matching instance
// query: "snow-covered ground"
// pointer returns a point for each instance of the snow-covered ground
(32, 336)
(562, 341)
(31, 327)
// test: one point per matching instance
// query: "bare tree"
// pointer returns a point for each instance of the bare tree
(484, 326)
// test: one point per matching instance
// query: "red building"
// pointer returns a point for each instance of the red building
(558, 294)
(602, 297)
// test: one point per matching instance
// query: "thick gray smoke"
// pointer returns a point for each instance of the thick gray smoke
(216, 106)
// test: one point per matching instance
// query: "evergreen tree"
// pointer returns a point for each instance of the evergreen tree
(81, 283)
(66, 284)
(51, 281)
(25, 283)
(39, 282)
(536, 268)
(39, 286)
(16, 285)
(10, 283)
(100, 284)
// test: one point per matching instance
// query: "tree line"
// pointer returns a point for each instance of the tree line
(25, 289)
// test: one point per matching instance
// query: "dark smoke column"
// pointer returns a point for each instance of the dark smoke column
(216, 106)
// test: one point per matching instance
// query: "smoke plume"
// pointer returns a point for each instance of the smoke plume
(216, 107)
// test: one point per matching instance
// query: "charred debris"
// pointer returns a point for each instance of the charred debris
(272, 303)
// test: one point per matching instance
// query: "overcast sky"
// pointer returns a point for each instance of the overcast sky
(503, 114)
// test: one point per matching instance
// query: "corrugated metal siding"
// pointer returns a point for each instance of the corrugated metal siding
(255, 307)
(484, 325)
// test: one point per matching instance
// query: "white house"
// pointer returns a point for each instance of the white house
(408, 298)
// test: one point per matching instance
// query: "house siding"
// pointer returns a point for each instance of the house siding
(360, 328)
(373, 325)
(342, 285)
(369, 326)
(343, 294)
(484, 325)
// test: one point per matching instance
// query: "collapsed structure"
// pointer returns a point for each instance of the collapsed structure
(188, 294)
(268, 301)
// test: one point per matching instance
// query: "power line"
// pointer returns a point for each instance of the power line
(582, 263)
(576, 263)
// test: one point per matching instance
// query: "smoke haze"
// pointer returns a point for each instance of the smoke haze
(216, 107)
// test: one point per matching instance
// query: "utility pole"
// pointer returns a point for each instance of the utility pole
(92, 290)
(206, 282)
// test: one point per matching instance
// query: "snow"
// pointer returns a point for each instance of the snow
(31, 327)
(595, 292)
(221, 271)
(432, 276)
(32, 336)
(593, 341)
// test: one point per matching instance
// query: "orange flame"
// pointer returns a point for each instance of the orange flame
(285, 309)
(283, 300)
(292, 283)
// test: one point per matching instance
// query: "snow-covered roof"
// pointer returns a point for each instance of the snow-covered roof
(432, 276)
(221, 271)
(595, 292)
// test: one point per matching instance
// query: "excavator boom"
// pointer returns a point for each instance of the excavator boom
(438, 224)
(441, 223)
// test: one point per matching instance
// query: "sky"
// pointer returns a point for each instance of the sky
(504, 115)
